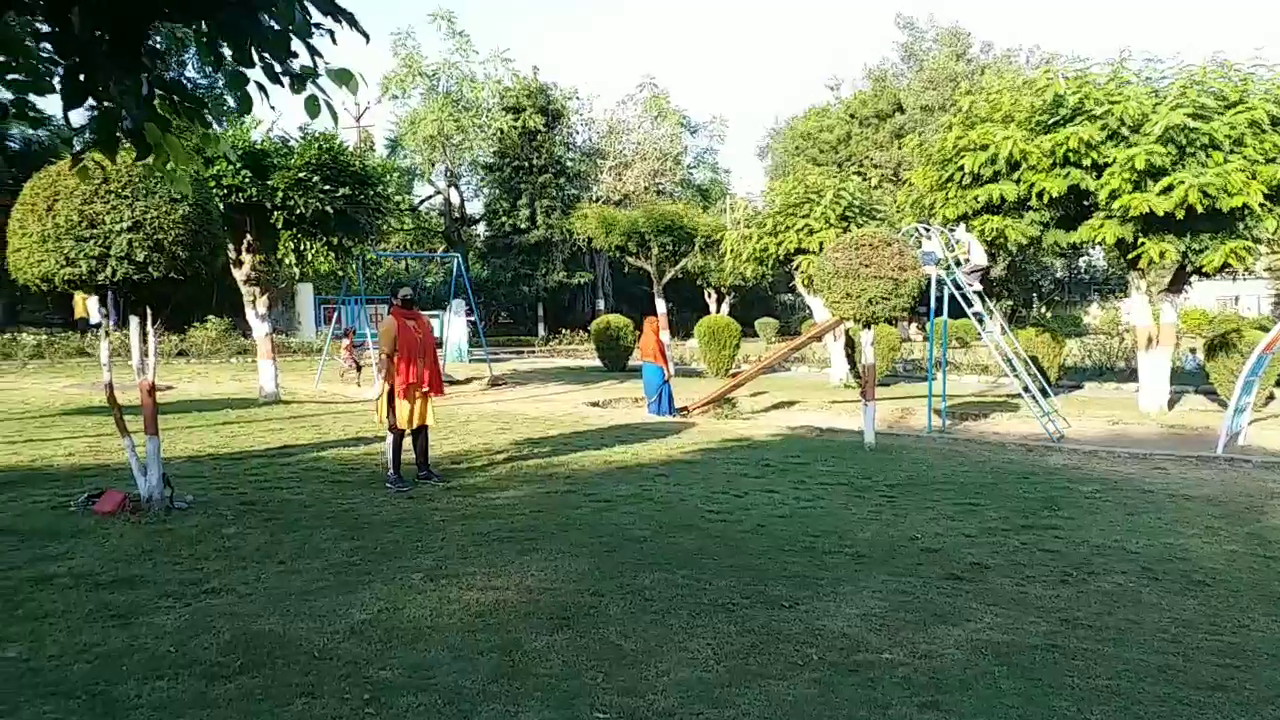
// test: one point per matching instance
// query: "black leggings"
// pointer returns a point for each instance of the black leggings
(395, 441)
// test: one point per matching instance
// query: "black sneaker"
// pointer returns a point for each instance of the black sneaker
(430, 477)
(395, 483)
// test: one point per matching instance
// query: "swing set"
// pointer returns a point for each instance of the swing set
(365, 312)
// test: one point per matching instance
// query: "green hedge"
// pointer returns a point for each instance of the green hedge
(203, 341)
(719, 340)
(961, 333)
(1194, 322)
(614, 337)
(888, 349)
(807, 325)
(767, 329)
(1045, 349)
(1224, 359)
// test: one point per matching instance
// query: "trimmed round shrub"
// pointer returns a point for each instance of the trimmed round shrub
(1045, 349)
(888, 349)
(1194, 322)
(767, 329)
(1224, 359)
(961, 333)
(807, 325)
(719, 339)
(614, 337)
(1227, 322)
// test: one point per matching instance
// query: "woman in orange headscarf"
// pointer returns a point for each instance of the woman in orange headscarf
(656, 371)
(411, 376)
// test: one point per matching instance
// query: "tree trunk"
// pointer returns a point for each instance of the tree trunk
(257, 311)
(148, 478)
(713, 300)
(542, 320)
(603, 282)
(1154, 342)
(867, 348)
(838, 373)
(726, 303)
(664, 322)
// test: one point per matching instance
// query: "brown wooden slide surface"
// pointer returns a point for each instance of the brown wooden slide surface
(768, 361)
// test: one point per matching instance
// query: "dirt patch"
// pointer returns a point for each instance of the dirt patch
(616, 403)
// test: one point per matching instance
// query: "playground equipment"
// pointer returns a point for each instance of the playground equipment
(365, 312)
(1235, 423)
(776, 356)
(941, 257)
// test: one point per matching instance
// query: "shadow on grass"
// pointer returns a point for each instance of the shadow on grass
(756, 572)
(196, 405)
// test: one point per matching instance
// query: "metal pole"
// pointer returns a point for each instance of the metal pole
(946, 324)
(364, 317)
(475, 309)
(328, 339)
(444, 316)
(933, 304)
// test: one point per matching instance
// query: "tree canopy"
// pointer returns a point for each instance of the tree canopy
(869, 276)
(659, 238)
(117, 66)
(1175, 168)
(122, 228)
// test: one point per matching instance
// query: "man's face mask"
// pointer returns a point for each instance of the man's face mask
(408, 302)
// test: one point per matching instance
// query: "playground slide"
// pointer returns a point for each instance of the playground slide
(768, 361)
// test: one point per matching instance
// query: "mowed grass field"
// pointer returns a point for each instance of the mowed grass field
(605, 566)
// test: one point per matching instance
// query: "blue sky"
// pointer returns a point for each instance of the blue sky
(756, 62)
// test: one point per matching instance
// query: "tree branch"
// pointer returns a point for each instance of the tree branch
(639, 264)
(676, 270)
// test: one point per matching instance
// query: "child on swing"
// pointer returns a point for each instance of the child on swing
(350, 361)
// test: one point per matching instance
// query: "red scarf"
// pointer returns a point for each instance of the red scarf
(417, 365)
(651, 348)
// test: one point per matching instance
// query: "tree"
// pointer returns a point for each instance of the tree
(117, 67)
(716, 270)
(867, 133)
(1175, 169)
(804, 211)
(444, 110)
(289, 203)
(652, 151)
(124, 229)
(535, 171)
(660, 239)
(868, 277)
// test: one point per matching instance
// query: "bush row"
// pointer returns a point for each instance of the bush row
(211, 339)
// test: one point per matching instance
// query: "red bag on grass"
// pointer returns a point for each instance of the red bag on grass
(111, 503)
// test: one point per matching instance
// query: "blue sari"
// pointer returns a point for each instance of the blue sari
(657, 391)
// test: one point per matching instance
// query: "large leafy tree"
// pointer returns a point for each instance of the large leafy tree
(116, 65)
(652, 151)
(445, 105)
(1175, 169)
(124, 229)
(660, 239)
(293, 204)
(869, 277)
(804, 211)
(536, 170)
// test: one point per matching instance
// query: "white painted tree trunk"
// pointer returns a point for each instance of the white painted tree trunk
(867, 348)
(148, 476)
(664, 326)
(257, 312)
(135, 346)
(713, 300)
(726, 304)
(838, 373)
(542, 320)
(1154, 342)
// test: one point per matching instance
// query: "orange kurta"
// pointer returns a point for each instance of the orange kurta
(411, 412)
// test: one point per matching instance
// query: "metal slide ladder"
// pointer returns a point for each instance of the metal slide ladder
(1036, 392)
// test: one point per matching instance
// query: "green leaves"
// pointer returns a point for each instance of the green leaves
(869, 277)
(312, 106)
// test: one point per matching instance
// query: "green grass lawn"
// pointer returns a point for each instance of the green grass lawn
(610, 567)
